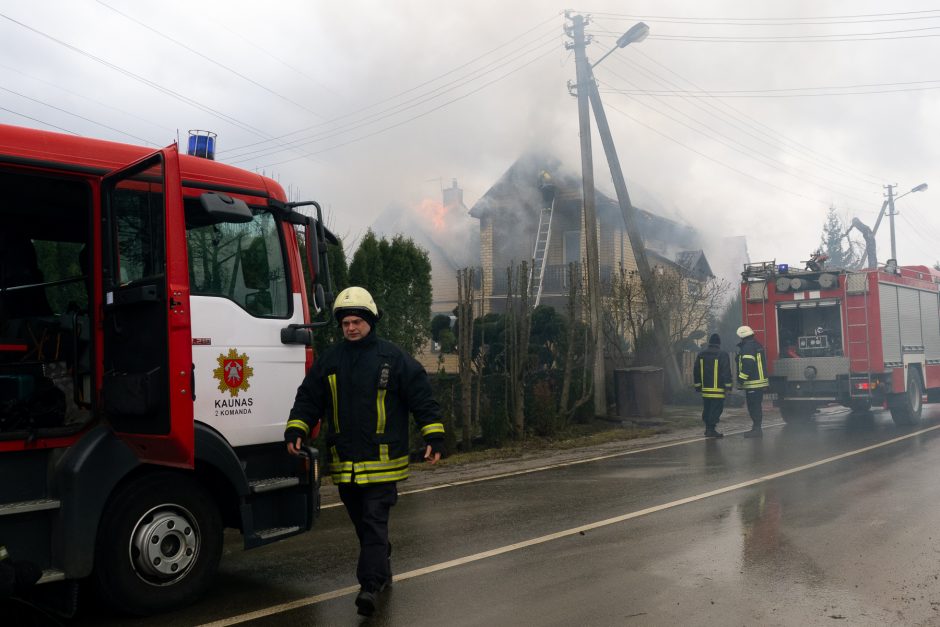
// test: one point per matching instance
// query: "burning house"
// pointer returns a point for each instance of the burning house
(444, 229)
(533, 213)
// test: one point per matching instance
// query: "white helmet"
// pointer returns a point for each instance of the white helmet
(744, 331)
(356, 301)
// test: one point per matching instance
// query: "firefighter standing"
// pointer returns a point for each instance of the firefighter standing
(365, 387)
(752, 377)
(712, 378)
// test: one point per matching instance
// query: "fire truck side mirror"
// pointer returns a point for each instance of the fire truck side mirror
(319, 298)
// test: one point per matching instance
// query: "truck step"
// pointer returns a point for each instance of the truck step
(51, 574)
(276, 532)
(23, 507)
(274, 483)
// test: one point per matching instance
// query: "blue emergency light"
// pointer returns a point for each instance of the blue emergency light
(783, 268)
(201, 144)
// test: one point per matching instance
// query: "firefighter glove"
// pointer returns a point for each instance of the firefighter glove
(437, 446)
(292, 433)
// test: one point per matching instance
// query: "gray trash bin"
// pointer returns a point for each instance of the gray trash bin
(639, 391)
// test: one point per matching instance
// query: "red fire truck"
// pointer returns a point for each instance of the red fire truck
(859, 338)
(154, 325)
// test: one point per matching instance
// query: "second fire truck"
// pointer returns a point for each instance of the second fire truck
(866, 338)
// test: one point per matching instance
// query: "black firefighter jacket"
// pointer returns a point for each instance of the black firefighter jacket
(752, 365)
(364, 392)
(712, 373)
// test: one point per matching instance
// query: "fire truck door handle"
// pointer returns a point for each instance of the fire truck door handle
(192, 381)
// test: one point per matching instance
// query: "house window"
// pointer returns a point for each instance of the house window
(572, 247)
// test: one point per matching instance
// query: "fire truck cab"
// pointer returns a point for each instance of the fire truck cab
(858, 338)
(154, 325)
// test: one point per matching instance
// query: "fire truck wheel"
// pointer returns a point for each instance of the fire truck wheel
(796, 411)
(906, 408)
(159, 544)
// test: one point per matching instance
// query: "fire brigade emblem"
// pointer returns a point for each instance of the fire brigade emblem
(233, 372)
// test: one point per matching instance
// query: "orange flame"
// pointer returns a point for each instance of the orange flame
(433, 212)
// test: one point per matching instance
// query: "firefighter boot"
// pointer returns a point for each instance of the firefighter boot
(755, 432)
(710, 432)
(365, 601)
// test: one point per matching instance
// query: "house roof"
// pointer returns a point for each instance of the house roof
(695, 263)
(518, 188)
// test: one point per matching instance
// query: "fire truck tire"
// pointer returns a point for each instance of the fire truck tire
(906, 408)
(796, 411)
(159, 544)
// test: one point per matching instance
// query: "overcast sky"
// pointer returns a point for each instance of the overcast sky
(739, 117)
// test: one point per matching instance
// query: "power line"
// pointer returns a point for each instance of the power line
(192, 102)
(402, 107)
(428, 112)
(29, 117)
(778, 21)
(714, 160)
(83, 97)
(409, 90)
(741, 148)
(797, 39)
(708, 107)
(209, 59)
(80, 117)
(740, 117)
(758, 93)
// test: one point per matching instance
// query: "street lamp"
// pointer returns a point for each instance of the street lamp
(889, 204)
(587, 89)
(637, 33)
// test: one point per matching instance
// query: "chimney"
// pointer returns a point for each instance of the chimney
(453, 196)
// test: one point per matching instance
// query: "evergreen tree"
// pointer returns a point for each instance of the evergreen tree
(834, 243)
(398, 275)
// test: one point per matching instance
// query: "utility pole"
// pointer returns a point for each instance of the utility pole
(891, 214)
(636, 240)
(592, 256)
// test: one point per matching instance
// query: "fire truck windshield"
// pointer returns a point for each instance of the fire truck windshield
(810, 328)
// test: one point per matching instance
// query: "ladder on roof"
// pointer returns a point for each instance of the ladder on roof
(542, 238)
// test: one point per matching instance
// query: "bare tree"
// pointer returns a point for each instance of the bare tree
(518, 328)
(689, 306)
(465, 350)
(587, 389)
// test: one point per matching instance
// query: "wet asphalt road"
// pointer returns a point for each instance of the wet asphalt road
(803, 527)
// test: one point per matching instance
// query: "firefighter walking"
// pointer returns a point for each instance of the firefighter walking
(365, 388)
(712, 378)
(752, 378)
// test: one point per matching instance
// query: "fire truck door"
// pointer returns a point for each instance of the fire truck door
(147, 354)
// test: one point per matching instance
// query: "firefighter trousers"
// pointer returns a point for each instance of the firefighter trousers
(711, 411)
(368, 507)
(755, 406)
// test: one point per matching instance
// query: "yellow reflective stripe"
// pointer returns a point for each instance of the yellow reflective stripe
(748, 357)
(380, 411)
(383, 452)
(332, 380)
(715, 395)
(298, 424)
(375, 466)
(715, 374)
(434, 427)
(399, 475)
(760, 368)
(341, 477)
